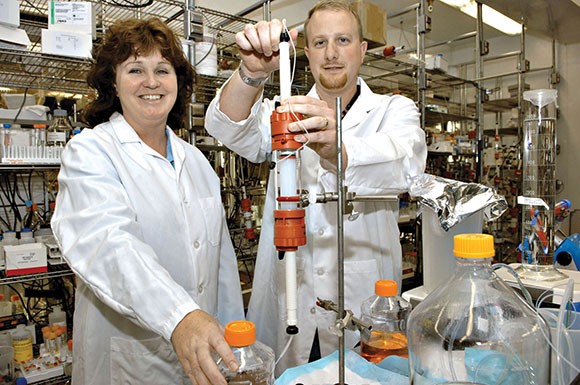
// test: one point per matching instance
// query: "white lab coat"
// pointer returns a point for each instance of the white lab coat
(148, 243)
(385, 146)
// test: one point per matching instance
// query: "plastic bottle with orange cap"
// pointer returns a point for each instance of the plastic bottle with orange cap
(255, 358)
(475, 329)
(387, 314)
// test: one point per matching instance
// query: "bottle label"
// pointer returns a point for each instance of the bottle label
(56, 137)
(22, 350)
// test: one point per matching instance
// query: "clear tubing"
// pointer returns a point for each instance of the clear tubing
(291, 289)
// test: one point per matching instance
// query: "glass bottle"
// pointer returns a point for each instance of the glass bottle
(475, 329)
(60, 129)
(256, 359)
(387, 313)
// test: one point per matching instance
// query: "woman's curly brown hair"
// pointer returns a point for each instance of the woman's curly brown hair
(136, 37)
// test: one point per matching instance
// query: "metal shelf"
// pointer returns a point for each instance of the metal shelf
(56, 271)
(34, 70)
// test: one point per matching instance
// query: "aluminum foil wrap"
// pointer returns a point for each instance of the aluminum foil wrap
(453, 200)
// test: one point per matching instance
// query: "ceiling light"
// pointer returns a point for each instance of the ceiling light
(489, 15)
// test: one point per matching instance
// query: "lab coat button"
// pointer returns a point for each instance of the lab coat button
(320, 271)
(321, 231)
(200, 289)
(196, 244)
(313, 310)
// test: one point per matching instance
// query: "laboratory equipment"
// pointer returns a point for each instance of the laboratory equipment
(60, 129)
(289, 223)
(567, 255)
(539, 187)
(387, 314)
(255, 358)
(22, 344)
(476, 329)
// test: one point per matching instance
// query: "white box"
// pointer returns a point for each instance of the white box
(29, 258)
(67, 43)
(12, 37)
(436, 63)
(72, 16)
(10, 13)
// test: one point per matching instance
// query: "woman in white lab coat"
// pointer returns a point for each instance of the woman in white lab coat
(140, 221)
(383, 147)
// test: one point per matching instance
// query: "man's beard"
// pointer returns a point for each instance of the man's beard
(333, 82)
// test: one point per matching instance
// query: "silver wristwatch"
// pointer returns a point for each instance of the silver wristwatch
(251, 81)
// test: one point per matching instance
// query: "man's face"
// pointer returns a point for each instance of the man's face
(334, 50)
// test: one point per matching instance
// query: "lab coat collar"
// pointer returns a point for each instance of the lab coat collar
(126, 134)
(365, 103)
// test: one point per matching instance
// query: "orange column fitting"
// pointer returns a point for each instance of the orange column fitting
(282, 139)
(289, 229)
(246, 205)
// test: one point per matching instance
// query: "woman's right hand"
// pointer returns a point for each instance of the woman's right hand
(259, 47)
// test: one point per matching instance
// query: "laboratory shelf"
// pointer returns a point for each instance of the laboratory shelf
(54, 271)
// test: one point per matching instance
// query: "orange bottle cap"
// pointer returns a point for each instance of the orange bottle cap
(240, 333)
(473, 246)
(386, 288)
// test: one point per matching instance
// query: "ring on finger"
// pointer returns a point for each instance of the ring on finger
(325, 123)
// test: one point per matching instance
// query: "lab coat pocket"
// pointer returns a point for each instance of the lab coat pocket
(213, 214)
(151, 361)
(359, 281)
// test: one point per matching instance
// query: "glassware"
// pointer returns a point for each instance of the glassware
(256, 359)
(476, 329)
(387, 313)
(539, 187)
(60, 129)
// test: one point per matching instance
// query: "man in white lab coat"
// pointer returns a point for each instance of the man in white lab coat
(383, 146)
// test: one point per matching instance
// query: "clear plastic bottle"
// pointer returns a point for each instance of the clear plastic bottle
(22, 344)
(387, 313)
(256, 359)
(475, 329)
(60, 129)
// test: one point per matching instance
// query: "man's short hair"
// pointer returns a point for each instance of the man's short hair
(333, 5)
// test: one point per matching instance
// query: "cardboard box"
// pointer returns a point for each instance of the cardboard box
(29, 258)
(10, 13)
(67, 43)
(72, 16)
(374, 22)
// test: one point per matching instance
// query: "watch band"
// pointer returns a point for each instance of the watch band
(251, 81)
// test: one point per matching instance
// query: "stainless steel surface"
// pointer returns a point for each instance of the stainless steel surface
(340, 236)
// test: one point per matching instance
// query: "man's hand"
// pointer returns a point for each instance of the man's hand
(194, 339)
(259, 47)
(317, 129)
